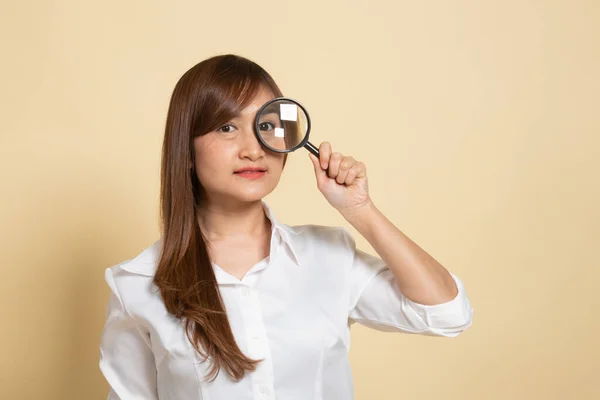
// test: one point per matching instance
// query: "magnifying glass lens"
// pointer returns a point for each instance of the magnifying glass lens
(282, 125)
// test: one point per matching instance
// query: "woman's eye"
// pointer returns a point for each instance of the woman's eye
(266, 126)
(226, 128)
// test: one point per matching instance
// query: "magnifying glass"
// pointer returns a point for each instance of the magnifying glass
(282, 125)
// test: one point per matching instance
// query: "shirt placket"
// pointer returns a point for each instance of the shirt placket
(258, 347)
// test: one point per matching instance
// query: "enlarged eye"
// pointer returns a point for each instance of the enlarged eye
(226, 128)
(266, 126)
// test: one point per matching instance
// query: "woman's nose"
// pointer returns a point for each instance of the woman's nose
(250, 146)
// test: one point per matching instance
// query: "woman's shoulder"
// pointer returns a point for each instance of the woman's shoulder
(327, 237)
(135, 275)
(132, 280)
(309, 230)
(144, 263)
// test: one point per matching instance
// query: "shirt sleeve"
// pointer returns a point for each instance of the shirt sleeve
(376, 302)
(126, 358)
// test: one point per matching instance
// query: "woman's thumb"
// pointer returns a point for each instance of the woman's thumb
(316, 165)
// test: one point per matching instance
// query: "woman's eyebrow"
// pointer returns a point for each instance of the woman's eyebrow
(271, 114)
(236, 117)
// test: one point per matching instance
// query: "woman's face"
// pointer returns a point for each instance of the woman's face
(220, 156)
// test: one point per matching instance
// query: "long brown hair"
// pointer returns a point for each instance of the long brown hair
(207, 96)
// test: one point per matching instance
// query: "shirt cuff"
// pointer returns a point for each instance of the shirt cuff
(449, 318)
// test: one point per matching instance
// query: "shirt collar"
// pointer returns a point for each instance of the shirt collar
(282, 230)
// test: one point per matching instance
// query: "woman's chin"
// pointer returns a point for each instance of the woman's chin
(255, 192)
(251, 195)
(254, 196)
(242, 193)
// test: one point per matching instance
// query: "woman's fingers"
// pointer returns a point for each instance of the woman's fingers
(351, 176)
(358, 170)
(334, 165)
(345, 165)
(344, 169)
(325, 154)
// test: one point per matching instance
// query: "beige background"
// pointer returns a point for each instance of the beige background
(478, 122)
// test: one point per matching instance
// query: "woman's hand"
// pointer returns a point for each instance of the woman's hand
(342, 180)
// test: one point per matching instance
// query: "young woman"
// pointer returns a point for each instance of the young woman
(230, 303)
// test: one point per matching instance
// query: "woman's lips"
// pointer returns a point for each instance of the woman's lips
(252, 174)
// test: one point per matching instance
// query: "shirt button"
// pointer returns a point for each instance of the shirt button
(263, 390)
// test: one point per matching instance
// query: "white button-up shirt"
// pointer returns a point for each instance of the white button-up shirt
(294, 309)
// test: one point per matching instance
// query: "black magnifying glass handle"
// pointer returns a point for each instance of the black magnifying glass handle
(311, 147)
(315, 151)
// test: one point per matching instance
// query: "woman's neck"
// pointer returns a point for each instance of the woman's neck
(220, 222)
